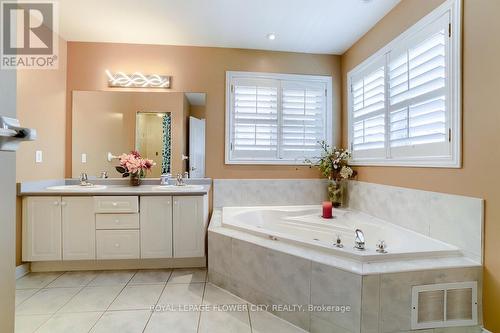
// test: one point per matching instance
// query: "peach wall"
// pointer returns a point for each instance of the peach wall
(41, 104)
(197, 69)
(481, 119)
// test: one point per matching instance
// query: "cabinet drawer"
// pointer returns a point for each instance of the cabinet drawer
(117, 244)
(117, 221)
(116, 204)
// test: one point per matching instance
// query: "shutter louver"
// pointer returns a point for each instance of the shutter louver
(303, 120)
(417, 88)
(255, 121)
(368, 115)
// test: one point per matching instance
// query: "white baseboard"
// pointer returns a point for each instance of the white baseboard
(486, 331)
(22, 270)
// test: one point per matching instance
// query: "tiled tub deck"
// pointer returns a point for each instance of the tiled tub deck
(266, 272)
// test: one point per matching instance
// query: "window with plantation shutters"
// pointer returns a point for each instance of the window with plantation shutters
(368, 111)
(276, 118)
(303, 121)
(404, 101)
(254, 119)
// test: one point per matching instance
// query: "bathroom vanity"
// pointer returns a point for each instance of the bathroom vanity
(67, 224)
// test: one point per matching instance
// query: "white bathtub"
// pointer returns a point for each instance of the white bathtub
(303, 225)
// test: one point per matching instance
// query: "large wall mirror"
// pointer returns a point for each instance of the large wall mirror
(166, 127)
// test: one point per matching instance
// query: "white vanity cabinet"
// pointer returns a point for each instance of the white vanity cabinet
(78, 228)
(70, 228)
(190, 218)
(42, 229)
(58, 228)
(156, 227)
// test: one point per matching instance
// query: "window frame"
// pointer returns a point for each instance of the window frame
(231, 75)
(453, 94)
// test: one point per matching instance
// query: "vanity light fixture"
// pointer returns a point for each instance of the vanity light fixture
(271, 36)
(137, 80)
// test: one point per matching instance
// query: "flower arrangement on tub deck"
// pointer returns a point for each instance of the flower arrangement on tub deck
(133, 165)
(334, 165)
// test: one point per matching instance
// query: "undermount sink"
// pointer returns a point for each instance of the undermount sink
(76, 187)
(176, 188)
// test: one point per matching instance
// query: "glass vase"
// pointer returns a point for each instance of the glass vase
(135, 180)
(337, 192)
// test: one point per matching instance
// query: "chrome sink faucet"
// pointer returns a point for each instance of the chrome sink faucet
(359, 241)
(179, 180)
(84, 179)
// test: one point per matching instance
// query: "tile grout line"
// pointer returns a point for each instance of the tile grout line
(249, 318)
(36, 292)
(157, 301)
(53, 314)
(114, 299)
(202, 300)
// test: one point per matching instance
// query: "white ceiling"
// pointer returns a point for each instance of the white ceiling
(312, 26)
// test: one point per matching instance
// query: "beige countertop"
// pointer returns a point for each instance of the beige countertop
(113, 187)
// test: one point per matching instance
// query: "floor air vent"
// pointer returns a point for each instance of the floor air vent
(444, 305)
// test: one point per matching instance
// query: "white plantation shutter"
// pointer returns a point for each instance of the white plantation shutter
(303, 122)
(368, 112)
(255, 118)
(404, 101)
(418, 109)
(276, 118)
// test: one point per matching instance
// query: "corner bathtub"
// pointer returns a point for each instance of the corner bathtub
(303, 225)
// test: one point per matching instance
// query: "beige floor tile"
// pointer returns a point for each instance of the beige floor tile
(92, 299)
(176, 322)
(47, 301)
(110, 278)
(73, 279)
(80, 322)
(24, 294)
(29, 324)
(184, 293)
(137, 297)
(215, 295)
(224, 322)
(123, 322)
(153, 276)
(264, 322)
(36, 280)
(188, 275)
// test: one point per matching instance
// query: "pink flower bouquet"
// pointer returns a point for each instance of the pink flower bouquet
(134, 165)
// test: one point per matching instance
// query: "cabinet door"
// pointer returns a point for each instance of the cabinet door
(78, 228)
(189, 220)
(156, 227)
(41, 228)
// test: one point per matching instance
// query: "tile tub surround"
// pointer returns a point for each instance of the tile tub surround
(119, 301)
(269, 272)
(268, 192)
(453, 219)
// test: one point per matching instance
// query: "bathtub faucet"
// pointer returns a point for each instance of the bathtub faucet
(359, 241)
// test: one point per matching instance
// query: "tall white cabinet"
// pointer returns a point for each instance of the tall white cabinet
(189, 233)
(78, 228)
(42, 228)
(156, 227)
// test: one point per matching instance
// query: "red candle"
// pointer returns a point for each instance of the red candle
(327, 210)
